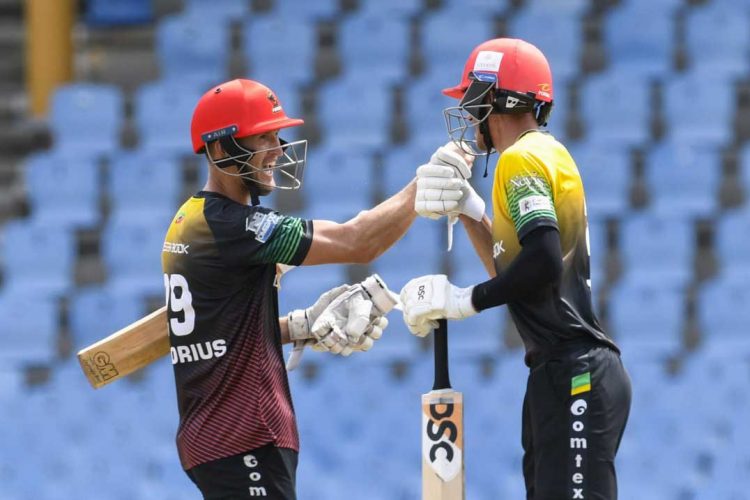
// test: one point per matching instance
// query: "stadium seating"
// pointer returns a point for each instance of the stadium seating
(85, 119)
(383, 55)
(606, 174)
(717, 36)
(105, 13)
(28, 326)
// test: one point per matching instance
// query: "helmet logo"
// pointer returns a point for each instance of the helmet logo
(511, 102)
(488, 60)
(276, 106)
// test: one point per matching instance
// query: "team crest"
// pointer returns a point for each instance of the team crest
(274, 102)
(179, 218)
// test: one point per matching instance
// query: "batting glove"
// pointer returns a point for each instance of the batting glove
(429, 298)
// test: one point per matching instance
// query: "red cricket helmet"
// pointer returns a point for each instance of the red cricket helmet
(237, 108)
(517, 65)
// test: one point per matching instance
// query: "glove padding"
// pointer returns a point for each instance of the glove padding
(443, 187)
(432, 297)
(357, 315)
(300, 321)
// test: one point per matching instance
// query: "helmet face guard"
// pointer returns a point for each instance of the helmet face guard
(463, 121)
(287, 171)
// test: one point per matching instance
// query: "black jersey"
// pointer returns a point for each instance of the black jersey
(219, 261)
(537, 184)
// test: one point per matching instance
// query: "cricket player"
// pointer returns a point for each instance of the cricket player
(536, 251)
(222, 261)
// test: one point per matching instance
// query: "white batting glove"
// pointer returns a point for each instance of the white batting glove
(443, 187)
(300, 321)
(358, 315)
(429, 298)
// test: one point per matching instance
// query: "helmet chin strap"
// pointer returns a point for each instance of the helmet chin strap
(484, 129)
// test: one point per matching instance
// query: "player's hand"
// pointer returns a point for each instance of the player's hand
(300, 321)
(358, 315)
(443, 187)
(429, 298)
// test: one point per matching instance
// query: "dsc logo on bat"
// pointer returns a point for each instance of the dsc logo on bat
(442, 440)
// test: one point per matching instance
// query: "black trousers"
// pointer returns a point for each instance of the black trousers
(267, 472)
(574, 414)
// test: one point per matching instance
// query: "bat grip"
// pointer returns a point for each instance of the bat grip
(440, 337)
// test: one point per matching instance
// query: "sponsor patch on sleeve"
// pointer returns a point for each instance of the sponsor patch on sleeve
(533, 203)
(267, 226)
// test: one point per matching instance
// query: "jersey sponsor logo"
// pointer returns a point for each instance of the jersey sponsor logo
(488, 60)
(178, 248)
(534, 182)
(190, 353)
(497, 249)
(534, 203)
(578, 443)
(251, 463)
(262, 224)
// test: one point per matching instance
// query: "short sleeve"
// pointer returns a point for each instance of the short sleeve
(529, 193)
(257, 235)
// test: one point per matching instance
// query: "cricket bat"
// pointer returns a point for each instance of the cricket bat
(442, 430)
(127, 350)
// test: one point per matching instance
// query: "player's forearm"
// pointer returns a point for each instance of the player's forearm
(374, 231)
(480, 234)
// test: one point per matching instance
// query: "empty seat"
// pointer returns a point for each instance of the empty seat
(194, 48)
(38, 257)
(423, 105)
(225, 10)
(86, 118)
(399, 9)
(606, 174)
(368, 127)
(337, 183)
(647, 51)
(127, 12)
(717, 36)
(616, 108)
(559, 40)
(699, 109)
(63, 189)
(723, 316)
(657, 249)
(557, 123)
(598, 253)
(163, 111)
(301, 286)
(646, 318)
(732, 244)
(131, 250)
(683, 180)
(145, 184)
(98, 311)
(376, 46)
(278, 48)
(447, 54)
(480, 335)
(28, 327)
(307, 11)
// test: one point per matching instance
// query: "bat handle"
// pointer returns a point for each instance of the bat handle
(440, 337)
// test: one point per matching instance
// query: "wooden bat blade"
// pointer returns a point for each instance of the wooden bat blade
(443, 445)
(127, 350)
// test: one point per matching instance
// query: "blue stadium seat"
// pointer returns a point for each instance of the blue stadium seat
(145, 184)
(163, 110)
(723, 316)
(606, 175)
(400, 165)
(193, 48)
(86, 118)
(646, 318)
(657, 249)
(38, 257)
(225, 10)
(281, 49)
(337, 184)
(557, 124)
(599, 250)
(63, 189)
(375, 46)
(447, 54)
(699, 108)
(107, 13)
(743, 170)
(616, 108)
(559, 40)
(399, 9)
(28, 327)
(369, 127)
(301, 286)
(480, 335)
(732, 243)
(683, 180)
(423, 104)
(98, 311)
(131, 250)
(307, 11)
(717, 36)
(647, 51)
